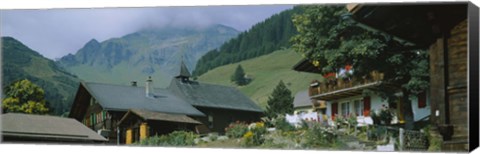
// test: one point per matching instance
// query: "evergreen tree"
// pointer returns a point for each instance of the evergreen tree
(24, 97)
(280, 101)
(239, 76)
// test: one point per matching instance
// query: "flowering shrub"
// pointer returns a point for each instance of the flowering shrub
(255, 135)
(236, 130)
(318, 136)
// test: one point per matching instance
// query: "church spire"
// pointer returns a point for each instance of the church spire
(184, 74)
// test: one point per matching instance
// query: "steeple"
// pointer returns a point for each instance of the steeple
(184, 73)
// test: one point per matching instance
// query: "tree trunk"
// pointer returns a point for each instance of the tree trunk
(407, 110)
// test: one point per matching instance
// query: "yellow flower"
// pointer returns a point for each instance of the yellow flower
(248, 134)
(260, 124)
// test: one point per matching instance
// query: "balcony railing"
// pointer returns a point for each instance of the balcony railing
(330, 85)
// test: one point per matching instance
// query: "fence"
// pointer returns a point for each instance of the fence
(411, 140)
(408, 140)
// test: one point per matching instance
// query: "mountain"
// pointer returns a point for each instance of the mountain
(266, 71)
(263, 38)
(155, 52)
(20, 62)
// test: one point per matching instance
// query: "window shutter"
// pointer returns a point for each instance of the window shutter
(422, 100)
(334, 110)
(366, 106)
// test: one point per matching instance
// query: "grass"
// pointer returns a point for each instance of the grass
(266, 72)
(229, 143)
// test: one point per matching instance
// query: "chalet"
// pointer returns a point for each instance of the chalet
(17, 127)
(129, 113)
(441, 28)
(344, 96)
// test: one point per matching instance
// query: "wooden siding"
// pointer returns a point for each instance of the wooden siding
(222, 118)
(457, 76)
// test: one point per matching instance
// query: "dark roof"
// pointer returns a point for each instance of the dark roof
(46, 127)
(412, 22)
(184, 71)
(123, 98)
(302, 99)
(306, 66)
(151, 115)
(214, 96)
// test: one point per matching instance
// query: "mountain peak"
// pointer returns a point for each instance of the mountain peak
(92, 42)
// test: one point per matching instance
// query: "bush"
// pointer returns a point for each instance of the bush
(318, 136)
(386, 116)
(176, 138)
(281, 123)
(236, 130)
(376, 133)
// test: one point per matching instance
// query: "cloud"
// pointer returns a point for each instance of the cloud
(57, 32)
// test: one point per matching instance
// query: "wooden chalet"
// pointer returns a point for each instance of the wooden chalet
(129, 113)
(140, 124)
(441, 28)
(17, 127)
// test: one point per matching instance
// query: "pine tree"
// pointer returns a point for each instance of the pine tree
(280, 102)
(239, 76)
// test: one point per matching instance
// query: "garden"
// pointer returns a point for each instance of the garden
(277, 133)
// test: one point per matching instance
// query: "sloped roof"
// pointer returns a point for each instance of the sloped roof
(305, 65)
(123, 98)
(151, 115)
(302, 99)
(214, 96)
(46, 127)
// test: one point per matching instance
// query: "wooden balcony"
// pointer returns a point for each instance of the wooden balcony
(338, 87)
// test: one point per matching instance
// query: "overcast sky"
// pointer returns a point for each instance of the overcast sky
(57, 32)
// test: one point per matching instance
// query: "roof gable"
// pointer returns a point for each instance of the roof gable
(302, 99)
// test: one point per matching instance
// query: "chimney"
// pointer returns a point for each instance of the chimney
(149, 87)
(133, 83)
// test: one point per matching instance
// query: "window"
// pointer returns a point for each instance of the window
(345, 109)
(358, 105)
(334, 110)
(366, 106)
(422, 100)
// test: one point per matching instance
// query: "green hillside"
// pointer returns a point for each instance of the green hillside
(265, 37)
(20, 62)
(266, 72)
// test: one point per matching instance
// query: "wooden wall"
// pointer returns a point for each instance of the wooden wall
(457, 87)
(223, 117)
